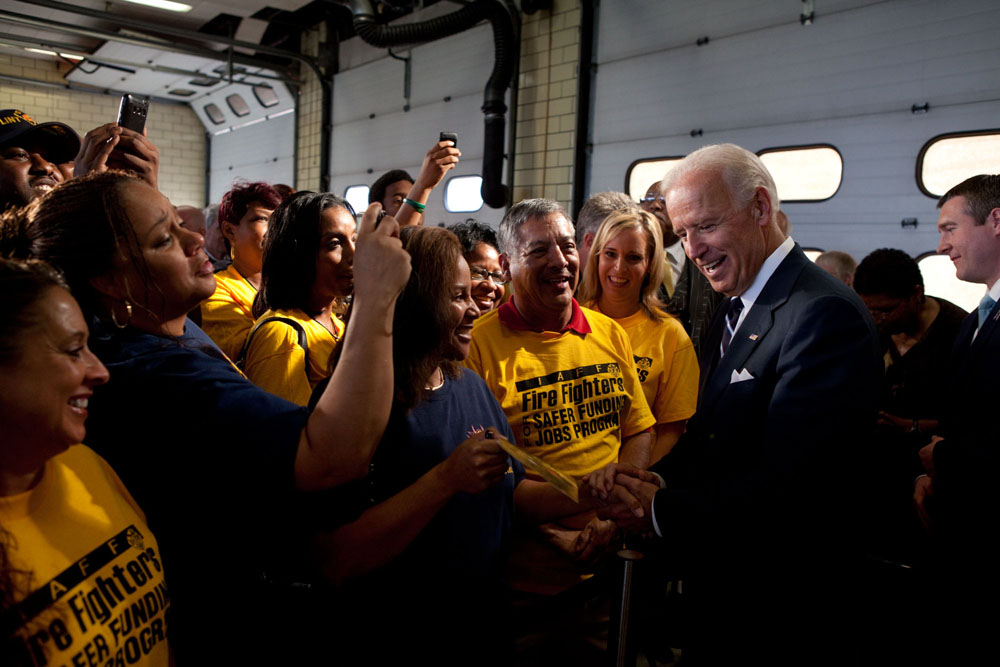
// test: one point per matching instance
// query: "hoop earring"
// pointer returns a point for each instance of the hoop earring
(128, 315)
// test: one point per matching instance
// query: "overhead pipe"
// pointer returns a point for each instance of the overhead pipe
(495, 194)
(584, 105)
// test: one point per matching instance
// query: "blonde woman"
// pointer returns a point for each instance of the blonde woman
(623, 272)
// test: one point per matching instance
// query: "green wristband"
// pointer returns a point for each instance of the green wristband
(417, 206)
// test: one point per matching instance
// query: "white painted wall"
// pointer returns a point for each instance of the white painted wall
(261, 152)
(370, 82)
(764, 80)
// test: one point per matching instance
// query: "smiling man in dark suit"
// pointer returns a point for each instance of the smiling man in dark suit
(751, 500)
(958, 497)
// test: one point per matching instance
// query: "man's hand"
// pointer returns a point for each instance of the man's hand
(601, 482)
(111, 146)
(381, 266)
(439, 160)
(891, 420)
(927, 455)
(475, 465)
(587, 545)
(136, 153)
(632, 508)
(923, 491)
(595, 540)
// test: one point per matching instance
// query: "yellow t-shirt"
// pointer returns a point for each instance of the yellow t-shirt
(570, 397)
(96, 594)
(666, 364)
(276, 363)
(227, 315)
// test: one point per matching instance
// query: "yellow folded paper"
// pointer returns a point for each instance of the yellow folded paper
(557, 478)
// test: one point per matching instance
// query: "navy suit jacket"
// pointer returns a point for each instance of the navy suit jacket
(748, 484)
(966, 460)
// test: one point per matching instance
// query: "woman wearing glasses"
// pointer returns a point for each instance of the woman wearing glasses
(480, 249)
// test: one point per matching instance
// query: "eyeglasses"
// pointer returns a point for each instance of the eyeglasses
(479, 273)
(649, 199)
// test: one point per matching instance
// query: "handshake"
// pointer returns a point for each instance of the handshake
(624, 494)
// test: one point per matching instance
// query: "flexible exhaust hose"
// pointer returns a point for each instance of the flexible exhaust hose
(493, 191)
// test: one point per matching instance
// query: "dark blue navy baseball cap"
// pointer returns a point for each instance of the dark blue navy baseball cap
(61, 142)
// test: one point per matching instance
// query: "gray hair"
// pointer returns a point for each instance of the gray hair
(509, 234)
(838, 263)
(742, 171)
(597, 208)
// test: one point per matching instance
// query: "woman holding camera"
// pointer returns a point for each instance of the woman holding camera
(424, 544)
(209, 456)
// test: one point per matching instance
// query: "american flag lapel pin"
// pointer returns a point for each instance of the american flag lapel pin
(753, 336)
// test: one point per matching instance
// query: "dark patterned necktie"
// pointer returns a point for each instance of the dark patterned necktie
(732, 317)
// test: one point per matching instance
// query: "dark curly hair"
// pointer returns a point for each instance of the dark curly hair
(471, 233)
(888, 271)
(382, 183)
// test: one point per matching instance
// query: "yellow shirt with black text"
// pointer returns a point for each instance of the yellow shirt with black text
(666, 364)
(571, 398)
(96, 591)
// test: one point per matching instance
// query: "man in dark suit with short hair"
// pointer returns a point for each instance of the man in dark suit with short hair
(752, 502)
(958, 498)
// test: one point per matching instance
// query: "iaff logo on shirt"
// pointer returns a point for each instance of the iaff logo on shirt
(570, 404)
(106, 608)
(642, 366)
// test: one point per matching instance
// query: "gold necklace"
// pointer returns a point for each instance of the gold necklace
(440, 384)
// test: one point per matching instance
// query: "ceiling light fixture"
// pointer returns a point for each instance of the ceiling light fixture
(45, 52)
(163, 4)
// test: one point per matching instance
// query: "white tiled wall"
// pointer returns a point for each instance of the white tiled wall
(173, 128)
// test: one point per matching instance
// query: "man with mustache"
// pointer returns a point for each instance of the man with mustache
(34, 157)
(30, 155)
(566, 379)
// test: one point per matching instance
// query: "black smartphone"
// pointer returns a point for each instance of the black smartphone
(132, 112)
(450, 136)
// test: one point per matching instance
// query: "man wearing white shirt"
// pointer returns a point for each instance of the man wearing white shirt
(751, 508)
(957, 498)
